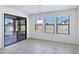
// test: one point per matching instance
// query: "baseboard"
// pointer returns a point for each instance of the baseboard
(28, 38)
(54, 41)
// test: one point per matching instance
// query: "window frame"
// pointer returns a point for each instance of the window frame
(63, 25)
(49, 25)
(38, 25)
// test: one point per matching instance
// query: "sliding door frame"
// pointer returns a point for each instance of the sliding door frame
(16, 34)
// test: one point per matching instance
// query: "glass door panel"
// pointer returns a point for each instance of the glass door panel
(21, 32)
(10, 35)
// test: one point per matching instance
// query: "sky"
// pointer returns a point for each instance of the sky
(7, 20)
(63, 18)
(50, 19)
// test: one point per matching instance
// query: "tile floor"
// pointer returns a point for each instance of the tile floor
(37, 46)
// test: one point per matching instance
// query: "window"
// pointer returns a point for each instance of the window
(49, 24)
(63, 24)
(38, 25)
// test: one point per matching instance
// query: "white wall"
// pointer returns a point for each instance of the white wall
(72, 38)
(1, 29)
(13, 12)
(78, 27)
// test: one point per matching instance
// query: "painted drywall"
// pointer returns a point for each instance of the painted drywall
(78, 28)
(13, 12)
(1, 29)
(72, 38)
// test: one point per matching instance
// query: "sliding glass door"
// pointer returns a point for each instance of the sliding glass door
(14, 29)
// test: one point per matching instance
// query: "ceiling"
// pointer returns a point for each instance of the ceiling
(32, 9)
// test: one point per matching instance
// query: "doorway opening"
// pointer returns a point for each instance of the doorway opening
(15, 29)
